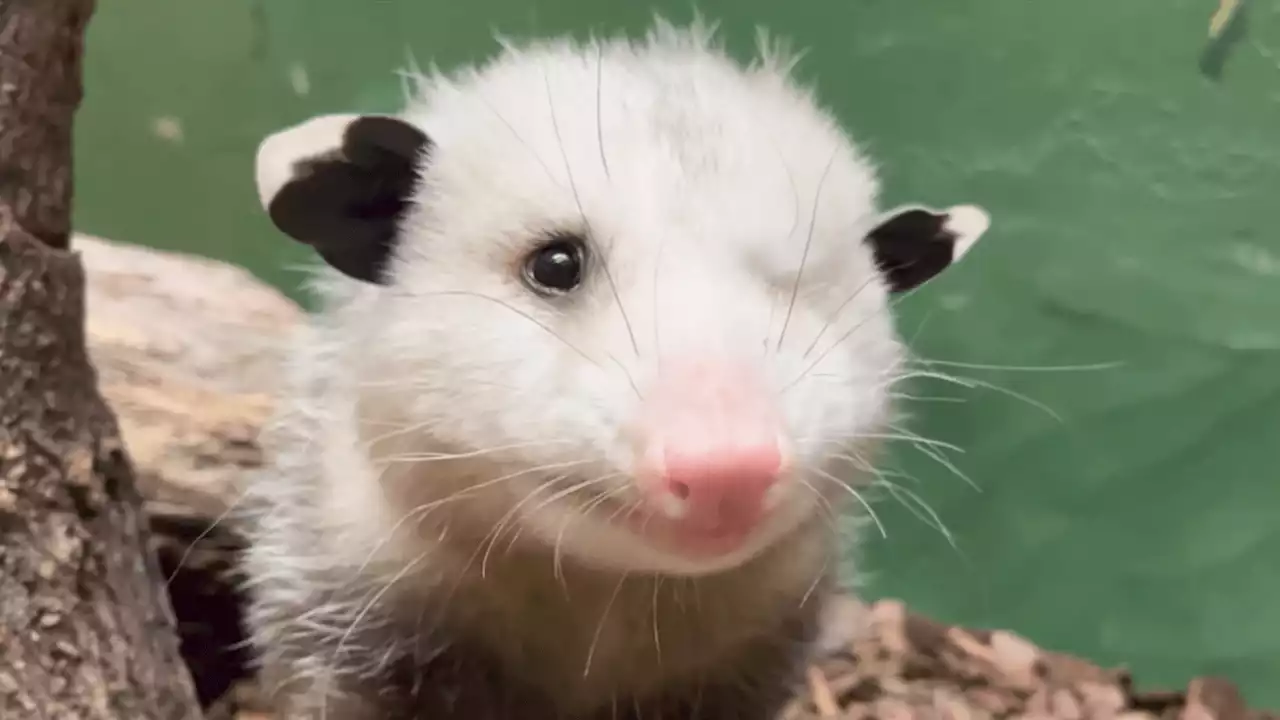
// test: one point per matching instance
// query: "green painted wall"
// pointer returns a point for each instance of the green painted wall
(1134, 200)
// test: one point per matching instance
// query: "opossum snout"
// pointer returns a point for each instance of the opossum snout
(710, 449)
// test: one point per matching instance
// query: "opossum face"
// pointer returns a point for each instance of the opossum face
(629, 302)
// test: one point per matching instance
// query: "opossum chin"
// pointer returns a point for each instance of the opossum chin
(636, 539)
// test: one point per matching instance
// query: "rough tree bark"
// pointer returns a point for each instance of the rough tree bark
(86, 630)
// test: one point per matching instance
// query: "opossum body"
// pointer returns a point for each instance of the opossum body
(604, 343)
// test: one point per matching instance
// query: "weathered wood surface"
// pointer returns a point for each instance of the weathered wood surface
(187, 350)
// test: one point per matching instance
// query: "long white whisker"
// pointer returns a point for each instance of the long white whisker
(898, 492)
(973, 383)
(556, 552)
(577, 199)
(856, 496)
(554, 497)
(1022, 368)
(442, 456)
(466, 492)
(599, 124)
(604, 616)
(518, 311)
(804, 257)
(186, 554)
(836, 315)
(917, 506)
(909, 437)
(657, 636)
(408, 567)
(840, 341)
(942, 460)
(491, 538)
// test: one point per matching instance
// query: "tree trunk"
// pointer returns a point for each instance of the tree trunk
(86, 630)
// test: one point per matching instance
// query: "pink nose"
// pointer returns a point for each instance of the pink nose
(719, 486)
(712, 449)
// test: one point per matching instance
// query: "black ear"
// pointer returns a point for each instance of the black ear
(912, 245)
(340, 184)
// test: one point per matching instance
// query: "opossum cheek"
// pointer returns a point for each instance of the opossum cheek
(711, 458)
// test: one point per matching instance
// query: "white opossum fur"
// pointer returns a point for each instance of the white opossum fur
(437, 534)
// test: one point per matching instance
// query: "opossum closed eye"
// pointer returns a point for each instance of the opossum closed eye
(605, 327)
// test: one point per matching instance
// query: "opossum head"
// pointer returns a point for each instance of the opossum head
(626, 299)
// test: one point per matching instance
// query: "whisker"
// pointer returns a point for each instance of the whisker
(577, 199)
(834, 316)
(558, 495)
(469, 491)
(813, 218)
(1023, 368)
(864, 465)
(495, 532)
(909, 437)
(795, 223)
(657, 636)
(823, 502)
(888, 307)
(428, 381)
(917, 506)
(557, 548)
(974, 383)
(599, 125)
(221, 518)
(627, 373)
(657, 265)
(546, 168)
(595, 639)
(926, 398)
(942, 460)
(408, 567)
(898, 492)
(821, 574)
(521, 313)
(856, 496)
(440, 456)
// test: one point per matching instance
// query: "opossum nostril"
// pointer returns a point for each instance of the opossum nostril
(679, 489)
(720, 487)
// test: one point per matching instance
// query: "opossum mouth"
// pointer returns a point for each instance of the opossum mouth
(680, 538)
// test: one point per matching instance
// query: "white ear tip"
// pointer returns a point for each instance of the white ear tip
(968, 223)
(968, 220)
(279, 153)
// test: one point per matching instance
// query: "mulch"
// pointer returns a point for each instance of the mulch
(908, 666)
(881, 662)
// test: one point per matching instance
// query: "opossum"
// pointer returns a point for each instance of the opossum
(601, 325)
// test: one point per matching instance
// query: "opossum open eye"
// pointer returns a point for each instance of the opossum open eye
(557, 265)
(340, 183)
(912, 245)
